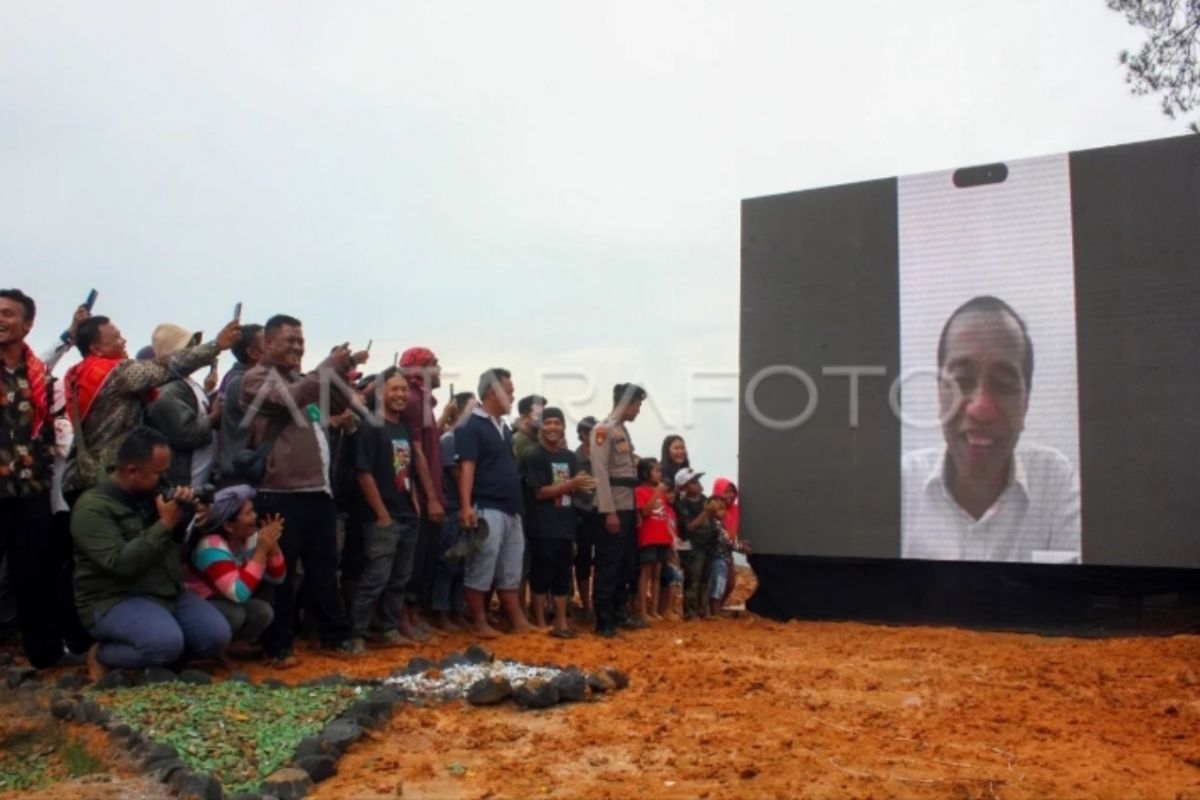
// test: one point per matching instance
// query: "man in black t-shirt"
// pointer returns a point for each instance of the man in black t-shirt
(551, 473)
(383, 462)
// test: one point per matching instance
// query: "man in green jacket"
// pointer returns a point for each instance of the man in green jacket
(128, 566)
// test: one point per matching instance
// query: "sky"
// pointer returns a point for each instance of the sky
(549, 187)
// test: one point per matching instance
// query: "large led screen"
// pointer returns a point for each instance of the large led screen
(987, 363)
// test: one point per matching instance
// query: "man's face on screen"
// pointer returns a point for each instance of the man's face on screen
(982, 393)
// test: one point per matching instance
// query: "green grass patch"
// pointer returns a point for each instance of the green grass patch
(235, 732)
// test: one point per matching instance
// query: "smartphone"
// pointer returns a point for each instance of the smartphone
(197, 338)
(91, 300)
(237, 311)
(369, 343)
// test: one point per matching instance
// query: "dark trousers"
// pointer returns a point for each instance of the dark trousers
(616, 560)
(40, 565)
(588, 533)
(425, 561)
(697, 574)
(354, 550)
(310, 536)
(390, 550)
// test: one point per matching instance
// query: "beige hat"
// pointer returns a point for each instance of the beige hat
(169, 339)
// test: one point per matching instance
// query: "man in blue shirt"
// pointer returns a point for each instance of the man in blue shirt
(489, 489)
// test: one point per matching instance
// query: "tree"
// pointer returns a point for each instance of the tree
(1169, 61)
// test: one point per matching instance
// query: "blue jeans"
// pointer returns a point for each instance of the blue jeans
(448, 592)
(389, 550)
(138, 632)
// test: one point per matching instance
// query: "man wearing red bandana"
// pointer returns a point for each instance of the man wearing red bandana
(38, 569)
(424, 374)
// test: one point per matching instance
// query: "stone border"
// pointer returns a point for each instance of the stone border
(316, 756)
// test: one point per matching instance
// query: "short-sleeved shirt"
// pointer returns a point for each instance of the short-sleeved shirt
(1035, 519)
(386, 452)
(555, 516)
(449, 479)
(489, 444)
(654, 529)
(687, 509)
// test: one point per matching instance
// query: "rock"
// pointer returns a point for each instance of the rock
(115, 679)
(319, 768)
(341, 733)
(90, 711)
(601, 682)
(119, 731)
(15, 676)
(162, 771)
(571, 686)
(246, 796)
(240, 677)
(454, 660)
(152, 675)
(418, 665)
(177, 779)
(195, 677)
(201, 787)
(159, 752)
(621, 679)
(72, 681)
(133, 741)
(489, 691)
(536, 693)
(478, 655)
(63, 709)
(368, 714)
(289, 783)
(389, 695)
(315, 746)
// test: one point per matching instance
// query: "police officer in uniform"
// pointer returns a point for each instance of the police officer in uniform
(615, 468)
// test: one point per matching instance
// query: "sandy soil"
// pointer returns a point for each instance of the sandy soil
(744, 707)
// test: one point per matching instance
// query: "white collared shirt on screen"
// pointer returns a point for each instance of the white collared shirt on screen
(1035, 519)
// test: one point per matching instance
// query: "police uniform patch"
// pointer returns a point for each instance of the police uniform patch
(601, 434)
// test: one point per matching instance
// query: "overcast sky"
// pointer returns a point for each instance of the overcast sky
(552, 187)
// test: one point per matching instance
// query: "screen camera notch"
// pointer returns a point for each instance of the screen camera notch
(980, 176)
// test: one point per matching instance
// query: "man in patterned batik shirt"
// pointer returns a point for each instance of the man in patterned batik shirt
(38, 570)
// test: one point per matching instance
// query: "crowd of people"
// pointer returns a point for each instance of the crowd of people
(148, 517)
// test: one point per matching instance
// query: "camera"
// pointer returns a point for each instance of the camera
(204, 493)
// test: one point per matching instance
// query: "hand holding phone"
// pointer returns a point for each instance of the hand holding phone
(237, 311)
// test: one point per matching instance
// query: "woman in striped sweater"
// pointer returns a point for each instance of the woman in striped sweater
(232, 560)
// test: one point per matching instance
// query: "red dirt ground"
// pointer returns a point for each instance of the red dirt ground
(744, 707)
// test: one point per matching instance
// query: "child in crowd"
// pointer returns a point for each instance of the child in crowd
(696, 527)
(672, 572)
(732, 522)
(654, 536)
(724, 547)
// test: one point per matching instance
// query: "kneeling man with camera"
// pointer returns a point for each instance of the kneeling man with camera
(129, 580)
